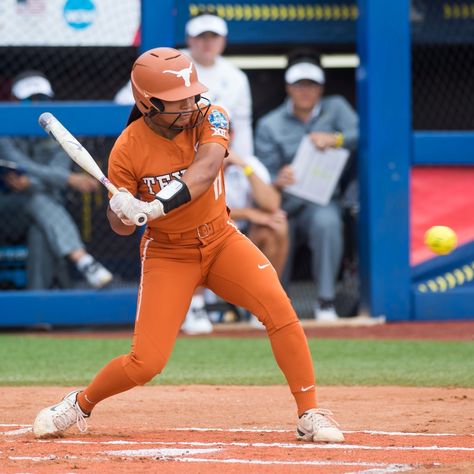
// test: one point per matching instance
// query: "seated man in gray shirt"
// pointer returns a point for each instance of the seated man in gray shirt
(37, 193)
(330, 122)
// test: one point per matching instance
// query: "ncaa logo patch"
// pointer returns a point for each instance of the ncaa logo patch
(79, 14)
(218, 119)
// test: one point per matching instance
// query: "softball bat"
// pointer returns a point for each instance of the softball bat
(80, 155)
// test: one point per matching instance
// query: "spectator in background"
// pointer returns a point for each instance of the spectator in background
(206, 38)
(330, 122)
(255, 207)
(37, 191)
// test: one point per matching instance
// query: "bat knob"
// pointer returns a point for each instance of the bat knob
(140, 219)
(45, 118)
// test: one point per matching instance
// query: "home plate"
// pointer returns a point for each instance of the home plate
(158, 453)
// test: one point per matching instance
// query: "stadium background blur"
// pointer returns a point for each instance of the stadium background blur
(412, 88)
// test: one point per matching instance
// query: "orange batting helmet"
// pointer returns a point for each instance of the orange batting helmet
(164, 74)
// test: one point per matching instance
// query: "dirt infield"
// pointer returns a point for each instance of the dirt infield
(207, 429)
(244, 429)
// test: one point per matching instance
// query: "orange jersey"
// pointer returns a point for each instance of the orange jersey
(144, 162)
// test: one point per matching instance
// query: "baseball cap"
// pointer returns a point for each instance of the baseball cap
(203, 23)
(301, 71)
(29, 84)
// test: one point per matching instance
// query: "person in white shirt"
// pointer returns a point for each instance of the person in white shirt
(206, 38)
(255, 207)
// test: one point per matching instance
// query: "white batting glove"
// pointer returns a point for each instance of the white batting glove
(125, 206)
(153, 209)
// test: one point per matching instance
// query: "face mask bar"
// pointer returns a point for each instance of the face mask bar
(198, 115)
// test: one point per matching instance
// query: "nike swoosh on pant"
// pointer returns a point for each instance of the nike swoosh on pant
(305, 389)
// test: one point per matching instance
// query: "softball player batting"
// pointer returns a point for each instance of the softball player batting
(171, 155)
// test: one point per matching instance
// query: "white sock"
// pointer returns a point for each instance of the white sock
(85, 260)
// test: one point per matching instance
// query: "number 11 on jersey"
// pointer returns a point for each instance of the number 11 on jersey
(218, 185)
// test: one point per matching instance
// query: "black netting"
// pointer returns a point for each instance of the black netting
(75, 73)
(85, 49)
(442, 65)
(24, 247)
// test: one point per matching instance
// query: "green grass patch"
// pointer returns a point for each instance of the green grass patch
(43, 360)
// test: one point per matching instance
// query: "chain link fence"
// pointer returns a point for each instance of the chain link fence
(29, 255)
(85, 49)
(442, 64)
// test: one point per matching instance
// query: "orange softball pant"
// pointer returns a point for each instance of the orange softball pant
(230, 265)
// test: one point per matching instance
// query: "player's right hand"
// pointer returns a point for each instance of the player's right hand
(125, 206)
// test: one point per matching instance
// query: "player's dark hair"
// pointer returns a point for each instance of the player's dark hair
(303, 55)
(158, 104)
(135, 114)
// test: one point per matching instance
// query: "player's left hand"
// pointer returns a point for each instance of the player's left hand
(153, 209)
(127, 207)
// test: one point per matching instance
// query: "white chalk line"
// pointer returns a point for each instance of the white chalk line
(265, 430)
(389, 469)
(268, 430)
(381, 468)
(401, 433)
(167, 452)
(178, 455)
(17, 432)
(51, 457)
(265, 445)
(14, 425)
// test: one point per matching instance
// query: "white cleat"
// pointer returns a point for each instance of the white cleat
(53, 421)
(318, 425)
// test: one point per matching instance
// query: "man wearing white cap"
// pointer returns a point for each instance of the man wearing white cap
(330, 122)
(206, 37)
(34, 187)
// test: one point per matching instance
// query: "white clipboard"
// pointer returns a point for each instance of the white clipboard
(317, 172)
